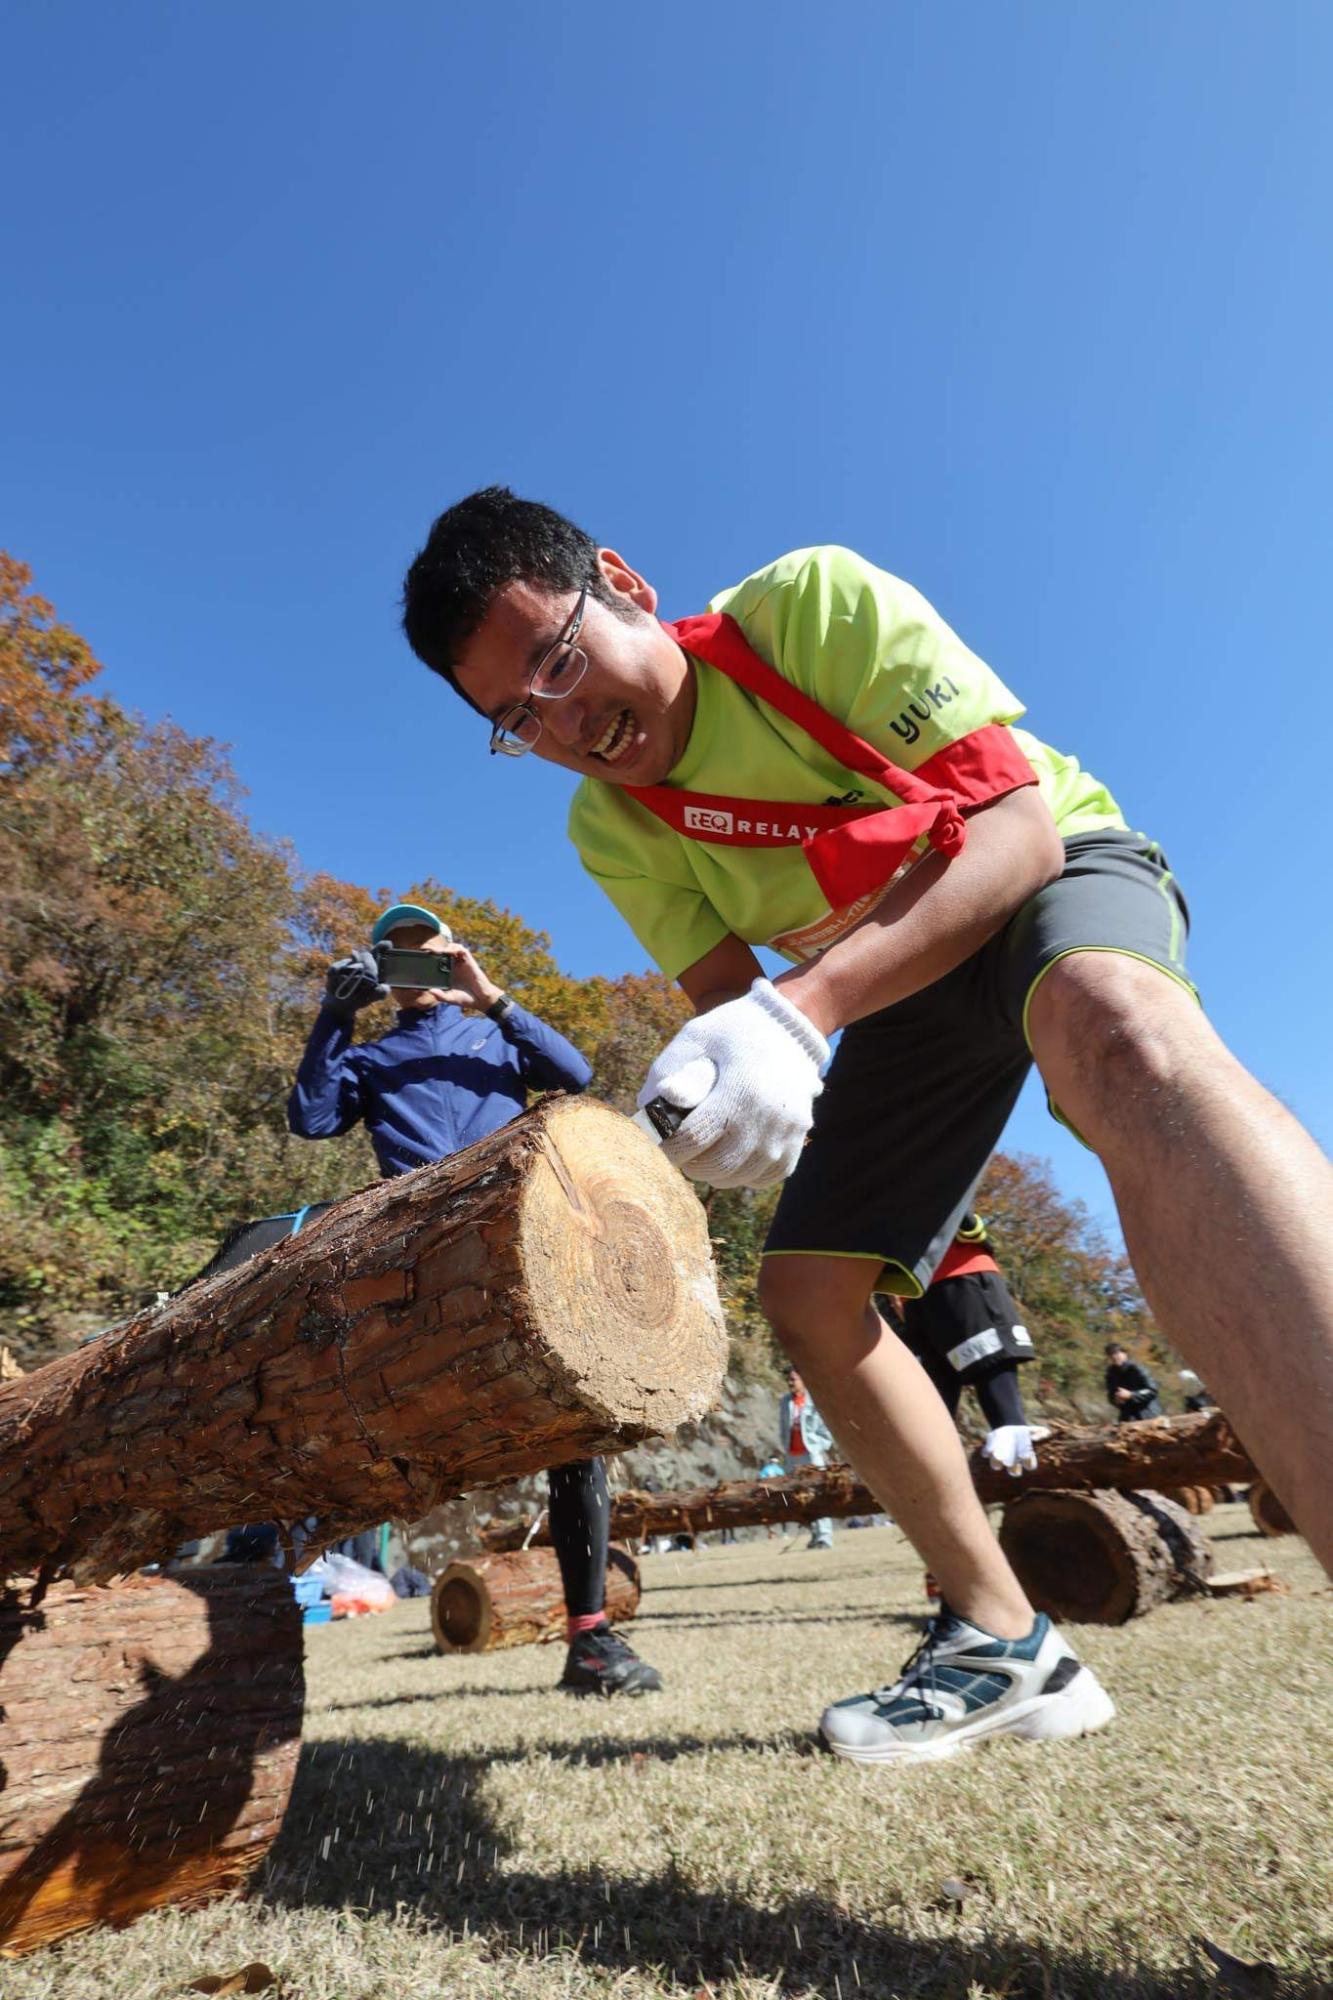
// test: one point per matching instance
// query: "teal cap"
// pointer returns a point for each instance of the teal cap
(404, 913)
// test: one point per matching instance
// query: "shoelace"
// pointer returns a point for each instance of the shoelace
(918, 1671)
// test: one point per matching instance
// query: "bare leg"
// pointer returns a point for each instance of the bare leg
(889, 1420)
(1226, 1203)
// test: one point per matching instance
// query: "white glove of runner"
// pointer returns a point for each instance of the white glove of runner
(1012, 1449)
(748, 1074)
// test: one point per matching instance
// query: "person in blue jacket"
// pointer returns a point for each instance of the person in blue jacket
(457, 1065)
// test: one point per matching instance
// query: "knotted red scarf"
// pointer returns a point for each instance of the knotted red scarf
(853, 850)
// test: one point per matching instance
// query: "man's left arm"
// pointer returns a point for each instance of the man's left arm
(935, 917)
(546, 1059)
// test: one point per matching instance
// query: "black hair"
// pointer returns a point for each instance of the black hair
(476, 547)
(1116, 1347)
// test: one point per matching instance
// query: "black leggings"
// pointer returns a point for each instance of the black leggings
(998, 1394)
(581, 1533)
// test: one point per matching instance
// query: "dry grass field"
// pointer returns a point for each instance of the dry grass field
(460, 1828)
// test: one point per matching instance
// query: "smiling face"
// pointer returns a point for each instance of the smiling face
(629, 718)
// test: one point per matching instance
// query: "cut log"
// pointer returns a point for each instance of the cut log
(736, 1503)
(1194, 1499)
(1101, 1558)
(1196, 1450)
(544, 1296)
(517, 1600)
(1130, 1456)
(149, 1741)
(1269, 1515)
(1247, 1583)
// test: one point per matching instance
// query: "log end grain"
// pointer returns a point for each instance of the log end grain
(1247, 1583)
(616, 1252)
(1103, 1557)
(517, 1599)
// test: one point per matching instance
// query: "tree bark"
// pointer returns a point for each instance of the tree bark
(149, 1741)
(1101, 1558)
(544, 1296)
(1123, 1456)
(517, 1600)
(1269, 1515)
(1195, 1450)
(736, 1503)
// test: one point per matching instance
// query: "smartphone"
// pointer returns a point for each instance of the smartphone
(400, 967)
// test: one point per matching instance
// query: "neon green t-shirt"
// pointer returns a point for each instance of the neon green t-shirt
(871, 651)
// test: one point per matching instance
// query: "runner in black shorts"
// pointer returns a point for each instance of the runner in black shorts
(966, 1332)
(819, 765)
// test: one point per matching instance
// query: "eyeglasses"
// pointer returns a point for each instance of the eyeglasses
(556, 674)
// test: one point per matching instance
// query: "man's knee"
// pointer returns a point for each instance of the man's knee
(1108, 1031)
(803, 1297)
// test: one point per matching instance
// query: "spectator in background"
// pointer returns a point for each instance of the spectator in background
(806, 1440)
(458, 1064)
(1130, 1389)
(966, 1332)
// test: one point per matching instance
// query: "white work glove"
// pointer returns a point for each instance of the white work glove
(748, 1075)
(1012, 1449)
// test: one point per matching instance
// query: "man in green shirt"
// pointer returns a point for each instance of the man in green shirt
(819, 765)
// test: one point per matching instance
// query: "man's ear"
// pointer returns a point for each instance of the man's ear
(626, 581)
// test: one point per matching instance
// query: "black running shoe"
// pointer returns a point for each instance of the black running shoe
(599, 1662)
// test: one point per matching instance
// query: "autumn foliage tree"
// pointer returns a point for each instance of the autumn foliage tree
(44, 668)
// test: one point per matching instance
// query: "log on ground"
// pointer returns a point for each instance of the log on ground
(544, 1296)
(1102, 1558)
(735, 1503)
(480, 1605)
(149, 1740)
(1195, 1449)
(1270, 1517)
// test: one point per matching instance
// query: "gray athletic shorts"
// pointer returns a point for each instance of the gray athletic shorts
(917, 1096)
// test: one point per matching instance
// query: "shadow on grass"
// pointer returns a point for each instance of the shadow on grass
(392, 1827)
(650, 1617)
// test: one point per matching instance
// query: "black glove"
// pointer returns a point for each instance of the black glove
(352, 983)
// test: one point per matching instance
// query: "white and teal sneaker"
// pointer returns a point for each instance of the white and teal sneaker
(961, 1685)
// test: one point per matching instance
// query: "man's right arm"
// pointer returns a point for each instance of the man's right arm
(326, 1098)
(722, 974)
(1144, 1389)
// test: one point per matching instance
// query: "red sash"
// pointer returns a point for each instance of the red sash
(853, 850)
(963, 1260)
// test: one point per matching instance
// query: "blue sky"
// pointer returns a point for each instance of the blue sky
(1031, 304)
